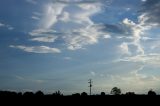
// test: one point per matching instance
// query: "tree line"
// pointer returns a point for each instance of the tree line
(114, 91)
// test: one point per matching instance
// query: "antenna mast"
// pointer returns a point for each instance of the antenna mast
(90, 86)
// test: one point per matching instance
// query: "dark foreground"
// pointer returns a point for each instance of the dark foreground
(76, 99)
(107, 100)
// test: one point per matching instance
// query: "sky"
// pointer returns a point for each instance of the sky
(52, 45)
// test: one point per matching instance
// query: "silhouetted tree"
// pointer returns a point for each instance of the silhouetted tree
(8, 93)
(116, 91)
(130, 93)
(76, 94)
(103, 94)
(19, 94)
(39, 93)
(57, 93)
(84, 94)
(151, 92)
(28, 94)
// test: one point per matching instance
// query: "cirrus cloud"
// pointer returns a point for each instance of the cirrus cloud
(37, 49)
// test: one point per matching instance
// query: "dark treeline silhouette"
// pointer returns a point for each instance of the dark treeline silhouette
(114, 91)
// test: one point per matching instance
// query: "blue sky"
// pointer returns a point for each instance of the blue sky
(59, 44)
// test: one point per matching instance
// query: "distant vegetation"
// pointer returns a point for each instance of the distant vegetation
(114, 91)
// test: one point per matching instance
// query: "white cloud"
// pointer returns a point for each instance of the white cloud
(137, 30)
(124, 48)
(26, 79)
(37, 49)
(150, 10)
(35, 18)
(84, 37)
(68, 58)
(32, 1)
(107, 36)
(146, 38)
(136, 81)
(52, 11)
(2, 25)
(73, 22)
(93, 73)
(64, 17)
(9, 27)
(143, 0)
(19, 77)
(128, 22)
(42, 32)
(37, 13)
(128, 9)
(45, 39)
(148, 59)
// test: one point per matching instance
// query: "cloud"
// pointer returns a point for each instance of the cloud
(77, 1)
(93, 73)
(147, 20)
(150, 10)
(72, 22)
(82, 38)
(2, 25)
(146, 38)
(137, 31)
(52, 11)
(143, 0)
(65, 17)
(147, 59)
(107, 36)
(42, 32)
(19, 77)
(37, 49)
(45, 39)
(35, 18)
(124, 48)
(117, 29)
(9, 27)
(32, 1)
(68, 58)
(135, 80)
(26, 79)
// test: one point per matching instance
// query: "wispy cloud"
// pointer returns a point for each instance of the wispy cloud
(143, 0)
(147, 20)
(148, 59)
(76, 27)
(124, 49)
(9, 27)
(26, 79)
(150, 11)
(93, 73)
(35, 18)
(68, 58)
(2, 25)
(107, 36)
(37, 49)
(32, 1)
(45, 39)
(135, 80)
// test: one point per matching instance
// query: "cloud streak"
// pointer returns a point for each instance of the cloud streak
(37, 49)
(9, 27)
(48, 39)
(32, 1)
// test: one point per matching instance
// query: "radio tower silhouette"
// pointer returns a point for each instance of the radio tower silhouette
(90, 86)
